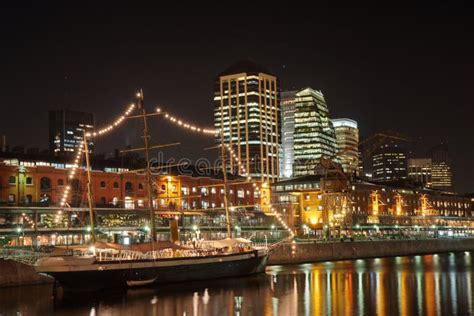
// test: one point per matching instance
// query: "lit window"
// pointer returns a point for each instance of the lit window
(129, 203)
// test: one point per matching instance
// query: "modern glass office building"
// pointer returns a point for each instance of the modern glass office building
(389, 163)
(347, 142)
(247, 110)
(442, 175)
(314, 135)
(66, 130)
(420, 171)
(287, 157)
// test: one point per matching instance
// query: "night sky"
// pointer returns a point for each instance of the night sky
(409, 70)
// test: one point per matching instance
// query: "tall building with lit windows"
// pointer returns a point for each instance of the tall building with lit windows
(442, 176)
(347, 143)
(287, 104)
(247, 110)
(389, 163)
(314, 135)
(66, 131)
(420, 171)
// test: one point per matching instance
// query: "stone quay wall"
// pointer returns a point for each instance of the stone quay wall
(306, 252)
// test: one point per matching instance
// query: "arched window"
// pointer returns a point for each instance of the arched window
(128, 186)
(102, 184)
(60, 182)
(116, 185)
(45, 183)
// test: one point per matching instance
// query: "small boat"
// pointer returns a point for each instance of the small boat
(141, 283)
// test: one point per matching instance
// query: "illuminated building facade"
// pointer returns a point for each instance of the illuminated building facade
(420, 171)
(41, 183)
(366, 203)
(347, 141)
(66, 131)
(287, 133)
(389, 163)
(442, 176)
(247, 110)
(314, 135)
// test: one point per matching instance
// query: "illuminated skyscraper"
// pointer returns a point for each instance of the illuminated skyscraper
(247, 109)
(347, 141)
(420, 171)
(66, 130)
(442, 176)
(287, 133)
(389, 163)
(314, 135)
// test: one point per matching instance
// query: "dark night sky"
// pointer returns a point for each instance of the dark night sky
(409, 70)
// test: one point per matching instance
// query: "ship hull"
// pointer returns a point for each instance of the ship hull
(105, 275)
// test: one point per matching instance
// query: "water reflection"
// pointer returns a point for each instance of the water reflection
(430, 285)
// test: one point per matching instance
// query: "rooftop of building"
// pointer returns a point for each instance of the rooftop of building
(337, 122)
(119, 163)
(245, 66)
(300, 180)
(399, 184)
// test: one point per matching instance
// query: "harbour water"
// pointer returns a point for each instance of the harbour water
(418, 285)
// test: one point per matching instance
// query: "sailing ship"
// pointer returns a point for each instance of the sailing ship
(103, 265)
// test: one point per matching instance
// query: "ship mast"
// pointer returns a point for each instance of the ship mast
(89, 188)
(226, 202)
(146, 137)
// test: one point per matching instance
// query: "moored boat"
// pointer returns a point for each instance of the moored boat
(115, 268)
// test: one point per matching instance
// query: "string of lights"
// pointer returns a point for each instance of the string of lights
(191, 127)
(243, 170)
(72, 174)
(116, 123)
(28, 220)
(245, 174)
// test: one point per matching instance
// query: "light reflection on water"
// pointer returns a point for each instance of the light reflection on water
(429, 285)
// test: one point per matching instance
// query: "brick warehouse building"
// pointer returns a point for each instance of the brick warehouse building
(41, 184)
(364, 203)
